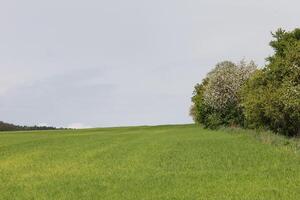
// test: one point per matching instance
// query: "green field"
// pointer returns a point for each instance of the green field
(143, 163)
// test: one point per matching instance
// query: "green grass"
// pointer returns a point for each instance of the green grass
(143, 163)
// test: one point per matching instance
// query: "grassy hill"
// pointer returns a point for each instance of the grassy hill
(163, 162)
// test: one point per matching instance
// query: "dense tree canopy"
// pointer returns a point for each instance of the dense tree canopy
(216, 100)
(239, 94)
(271, 98)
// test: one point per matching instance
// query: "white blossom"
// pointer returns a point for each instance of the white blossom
(225, 81)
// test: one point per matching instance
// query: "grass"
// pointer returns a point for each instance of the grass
(143, 163)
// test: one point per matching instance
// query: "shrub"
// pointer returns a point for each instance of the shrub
(271, 97)
(216, 100)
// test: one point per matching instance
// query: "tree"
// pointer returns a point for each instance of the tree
(225, 82)
(199, 110)
(216, 101)
(271, 98)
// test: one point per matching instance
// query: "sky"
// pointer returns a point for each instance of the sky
(100, 63)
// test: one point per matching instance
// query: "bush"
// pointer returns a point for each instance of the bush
(240, 95)
(216, 99)
(199, 110)
(271, 97)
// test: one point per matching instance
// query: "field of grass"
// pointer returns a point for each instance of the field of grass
(143, 163)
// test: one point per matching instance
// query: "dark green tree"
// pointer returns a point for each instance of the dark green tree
(271, 98)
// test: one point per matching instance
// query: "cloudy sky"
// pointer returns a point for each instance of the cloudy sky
(94, 63)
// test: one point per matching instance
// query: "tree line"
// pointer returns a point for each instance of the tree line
(11, 127)
(241, 94)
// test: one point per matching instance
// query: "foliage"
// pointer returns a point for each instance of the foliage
(239, 94)
(216, 100)
(271, 98)
(225, 82)
(11, 127)
(198, 110)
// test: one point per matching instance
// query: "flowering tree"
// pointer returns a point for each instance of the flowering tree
(225, 82)
(216, 100)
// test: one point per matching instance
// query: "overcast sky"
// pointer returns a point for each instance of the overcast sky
(94, 63)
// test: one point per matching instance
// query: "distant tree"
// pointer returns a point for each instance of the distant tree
(11, 127)
(271, 98)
